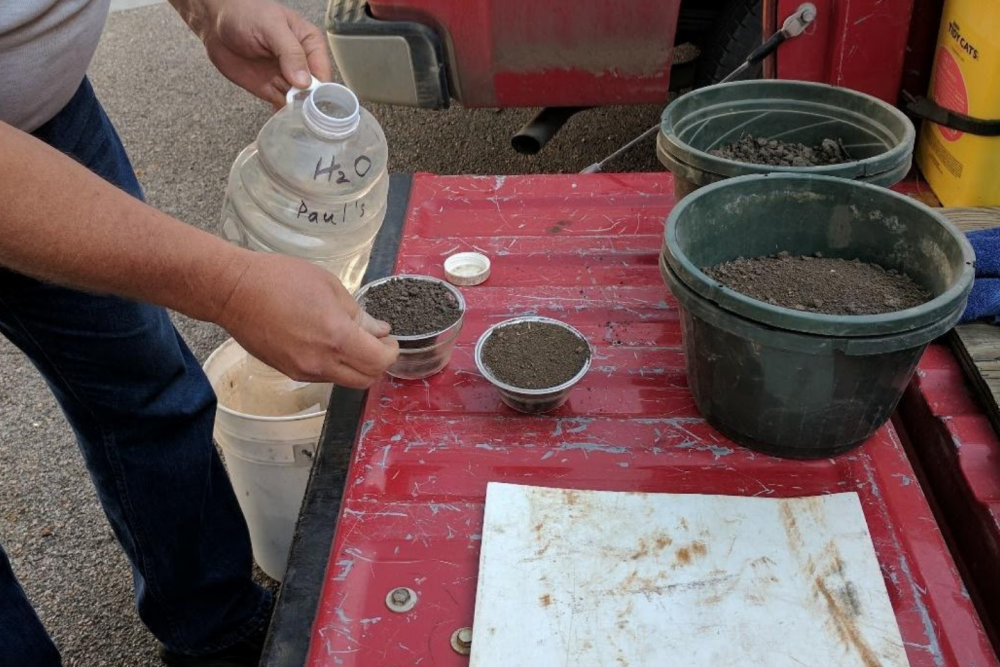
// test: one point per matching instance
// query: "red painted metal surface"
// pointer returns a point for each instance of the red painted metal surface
(514, 53)
(584, 250)
(921, 45)
(960, 454)
(857, 44)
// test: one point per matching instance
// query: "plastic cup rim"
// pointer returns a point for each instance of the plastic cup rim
(481, 365)
(364, 289)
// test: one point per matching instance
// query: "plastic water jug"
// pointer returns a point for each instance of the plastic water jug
(314, 184)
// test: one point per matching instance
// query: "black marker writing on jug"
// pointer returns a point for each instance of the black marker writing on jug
(362, 165)
(329, 171)
(327, 217)
(362, 160)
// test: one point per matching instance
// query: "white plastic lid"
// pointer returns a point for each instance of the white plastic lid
(330, 110)
(467, 268)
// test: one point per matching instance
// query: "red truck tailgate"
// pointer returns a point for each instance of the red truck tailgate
(582, 249)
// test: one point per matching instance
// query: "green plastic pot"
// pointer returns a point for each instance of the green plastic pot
(793, 383)
(878, 135)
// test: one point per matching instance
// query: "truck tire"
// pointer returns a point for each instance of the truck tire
(738, 32)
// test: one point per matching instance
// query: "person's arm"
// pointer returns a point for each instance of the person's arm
(63, 224)
(261, 46)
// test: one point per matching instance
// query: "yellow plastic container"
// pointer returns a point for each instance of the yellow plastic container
(964, 169)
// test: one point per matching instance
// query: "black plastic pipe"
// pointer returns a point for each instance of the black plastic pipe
(532, 138)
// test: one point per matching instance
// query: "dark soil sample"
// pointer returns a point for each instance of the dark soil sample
(777, 153)
(821, 285)
(412, 307)
(534, 355)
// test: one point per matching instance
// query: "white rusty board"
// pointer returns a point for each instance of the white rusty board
(602, 579)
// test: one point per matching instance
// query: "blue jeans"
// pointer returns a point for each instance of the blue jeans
(142, 411)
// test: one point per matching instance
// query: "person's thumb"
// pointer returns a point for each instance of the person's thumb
(291, 56)
(377, 328)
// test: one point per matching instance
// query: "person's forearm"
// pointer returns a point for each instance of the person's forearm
(63, 224)
(193, 12)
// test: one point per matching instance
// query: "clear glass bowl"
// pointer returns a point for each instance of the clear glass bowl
(423, 355)
(532, 401)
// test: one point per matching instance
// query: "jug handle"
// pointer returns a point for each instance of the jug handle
(293, 91)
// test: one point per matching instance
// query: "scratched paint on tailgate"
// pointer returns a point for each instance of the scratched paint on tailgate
(960, 454)
(581, 249)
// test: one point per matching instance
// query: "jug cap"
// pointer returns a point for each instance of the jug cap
(467, 268)
(326, 125)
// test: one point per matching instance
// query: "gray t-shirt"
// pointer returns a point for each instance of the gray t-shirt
(45, 49)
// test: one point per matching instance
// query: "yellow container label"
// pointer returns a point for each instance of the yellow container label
(964, 169)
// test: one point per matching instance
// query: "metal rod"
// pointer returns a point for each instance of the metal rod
(793, 26)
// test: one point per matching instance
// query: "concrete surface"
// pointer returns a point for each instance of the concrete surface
(123, 5)
(183, 125)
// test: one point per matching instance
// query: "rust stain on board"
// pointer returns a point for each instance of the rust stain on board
(837, 565)
(850, 599)
(540, 538)
(791, 527)
(646, 547)
(727, 584)
(685, 555)
(718, 585)
(662, 542)
(624, 616)
(545, 600)
(844, 620)
(844, 603)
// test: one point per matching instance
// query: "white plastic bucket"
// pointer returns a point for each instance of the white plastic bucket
(269, 457)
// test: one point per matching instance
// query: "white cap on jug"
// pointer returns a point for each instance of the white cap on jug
(335, 95)
(467, 268)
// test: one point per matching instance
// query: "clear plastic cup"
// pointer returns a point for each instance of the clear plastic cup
(532, 401)
(422, 355)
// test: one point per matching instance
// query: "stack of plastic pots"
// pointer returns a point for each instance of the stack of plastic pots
(795, 383)
(876, 135)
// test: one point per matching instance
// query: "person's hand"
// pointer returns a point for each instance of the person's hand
(299, 319)
(259, 45)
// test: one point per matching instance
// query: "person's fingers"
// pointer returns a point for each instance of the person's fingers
(377, 328)
(346, 376)
(283, 43)
(368, 354)
(314, 44)
(271, 94)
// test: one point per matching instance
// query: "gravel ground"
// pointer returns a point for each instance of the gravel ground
(183, 125)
